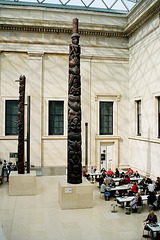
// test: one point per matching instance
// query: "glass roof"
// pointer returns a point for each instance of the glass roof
(115, 6)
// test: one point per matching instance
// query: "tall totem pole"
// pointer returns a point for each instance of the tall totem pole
(74, 110)
(21, 124)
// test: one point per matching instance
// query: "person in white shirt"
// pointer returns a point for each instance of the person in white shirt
(151, 187)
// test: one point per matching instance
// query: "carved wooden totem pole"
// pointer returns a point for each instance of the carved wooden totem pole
(74, 110)
(21, 124)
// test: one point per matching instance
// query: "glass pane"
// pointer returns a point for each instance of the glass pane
(56, 121)
(11, 118)
(139, 117)
(158, 116)
(106, 118)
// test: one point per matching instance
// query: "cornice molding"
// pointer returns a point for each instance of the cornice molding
(43, 29)
(134, 22)
(131, 29)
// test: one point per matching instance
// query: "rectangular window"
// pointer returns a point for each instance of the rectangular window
(11, 117)
(139, 117)
(56, 118)
(106, 118)
(159, 117)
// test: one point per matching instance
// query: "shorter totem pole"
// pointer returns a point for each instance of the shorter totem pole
(74, 110)
(21, 124)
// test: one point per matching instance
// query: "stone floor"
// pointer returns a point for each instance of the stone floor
(41, 218)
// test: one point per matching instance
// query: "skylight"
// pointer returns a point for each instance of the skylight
(123, 6)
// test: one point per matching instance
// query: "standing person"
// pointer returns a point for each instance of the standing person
(83, 172)
(151, 187)
(100, 180)
(151, 198)
(8, 170)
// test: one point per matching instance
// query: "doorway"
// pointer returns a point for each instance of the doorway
(106, 156)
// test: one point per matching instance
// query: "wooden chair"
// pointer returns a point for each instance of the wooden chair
(146, 234)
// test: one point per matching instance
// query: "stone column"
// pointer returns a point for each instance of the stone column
(74, 110)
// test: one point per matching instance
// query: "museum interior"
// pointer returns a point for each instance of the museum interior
(79, 102)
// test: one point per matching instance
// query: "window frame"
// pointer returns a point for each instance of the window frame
(10, 133)
(158, 112)
(100, 115)
(49, 128)
(139, 116)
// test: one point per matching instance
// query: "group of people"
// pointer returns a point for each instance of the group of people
(151, 189)
(6, 168)
(106, 181)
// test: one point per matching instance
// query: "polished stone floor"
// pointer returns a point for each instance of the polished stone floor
(41, 218)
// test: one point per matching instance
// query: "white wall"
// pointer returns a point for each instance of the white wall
(144, 73)
(113, 68)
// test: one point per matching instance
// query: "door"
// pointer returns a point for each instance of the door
(106, 157)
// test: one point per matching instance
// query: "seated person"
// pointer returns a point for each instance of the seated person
(133, 203)
(108, 179)
(116, 173)
(151, 187)
(148, 180)
(84, 173)
(139, 199)
(112, 185)
(103, 170)
(129, 172)
(104, 189)
(92, 169)
(136, 174)
(127, 179)
(121, 182)
(134, 189)
(103, 175)
(157, 185)
(151, 219)
(143, 185)
(122, 175)
(110, 172)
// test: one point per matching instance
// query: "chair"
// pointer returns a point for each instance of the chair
(146, 235)
(128, 210)
(101, 194)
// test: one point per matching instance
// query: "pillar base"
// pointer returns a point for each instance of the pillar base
(22, 184)
(72, 196)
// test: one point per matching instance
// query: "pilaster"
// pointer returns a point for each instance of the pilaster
(34, 89)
